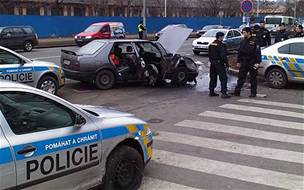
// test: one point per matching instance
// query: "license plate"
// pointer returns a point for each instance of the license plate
(66, 62)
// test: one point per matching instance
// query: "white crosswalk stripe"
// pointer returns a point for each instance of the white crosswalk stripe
(263, 110)
(276, 154)
(251, 148)
(239, 172)
(270, 103)
(252, 119)
(156, 184)
(242, 131)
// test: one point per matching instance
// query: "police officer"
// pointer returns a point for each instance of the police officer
(282, 34)
(141, 29)
(265, 34)
(219, 62)
(299, 31)
(249, 58)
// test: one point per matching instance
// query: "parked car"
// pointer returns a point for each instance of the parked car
(158, 34)
(199, 33)
(40, 74)
(49, 143)
(232, 39)
(107, 62)
(18, 37)
(102, 30)
(283, 62)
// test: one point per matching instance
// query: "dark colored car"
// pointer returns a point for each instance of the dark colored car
(106, 62)
(18, 37)
(199, 33)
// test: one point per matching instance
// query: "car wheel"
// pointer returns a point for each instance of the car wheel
(180, 76)
(276, 78)
(28, 46)
(124, 169)
(196, 52)
(105, 79)
(48, 84)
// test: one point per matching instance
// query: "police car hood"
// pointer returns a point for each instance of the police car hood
(208, 40)
(173, 38)
(104, 112)
(43, 63)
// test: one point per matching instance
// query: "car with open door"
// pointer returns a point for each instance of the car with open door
(107, 62)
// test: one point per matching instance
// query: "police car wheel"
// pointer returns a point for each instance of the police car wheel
(105, 79)
(124, 169)
(276, 78)
(28, 46)
(48, 84)
(180, 76)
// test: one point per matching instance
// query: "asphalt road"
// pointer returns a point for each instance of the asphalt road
(209, 143)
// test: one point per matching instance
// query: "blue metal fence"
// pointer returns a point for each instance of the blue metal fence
(62, 26)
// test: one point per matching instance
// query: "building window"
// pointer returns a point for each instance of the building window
(57, 11)
(33, 11)
(79, 11)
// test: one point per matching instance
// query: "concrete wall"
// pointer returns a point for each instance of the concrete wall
(62, 26)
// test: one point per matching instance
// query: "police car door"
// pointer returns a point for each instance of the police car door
(15, 69)
(56, 146)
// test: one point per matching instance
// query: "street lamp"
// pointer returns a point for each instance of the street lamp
(165, 8)
(144, 13)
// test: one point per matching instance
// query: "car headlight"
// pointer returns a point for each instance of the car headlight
(88, 37)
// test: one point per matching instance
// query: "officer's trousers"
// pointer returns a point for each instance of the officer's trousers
(218, 69)
(245, 68)
(141, 35)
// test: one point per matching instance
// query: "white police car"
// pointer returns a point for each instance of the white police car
(49, 143)
(43, 75)
(283, 62)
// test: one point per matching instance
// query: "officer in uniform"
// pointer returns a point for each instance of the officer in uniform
(265, 35)
(299, 31)
(249, 58)
(141, 28)
(219, 62)
(282, 34)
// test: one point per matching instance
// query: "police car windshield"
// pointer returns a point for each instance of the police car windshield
(93, 28)
(212, 33)
(90, 48)
(273, 20)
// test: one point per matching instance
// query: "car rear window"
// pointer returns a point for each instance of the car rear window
(91, 48)
(28, 30)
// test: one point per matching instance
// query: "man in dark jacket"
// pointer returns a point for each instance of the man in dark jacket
(299, 31)
(219, 62)
(282, 34)
(249, 58)
(265, 35)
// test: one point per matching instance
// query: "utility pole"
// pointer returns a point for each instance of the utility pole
(295, 8)
(165, 8)
(144, 13)
(258, 8)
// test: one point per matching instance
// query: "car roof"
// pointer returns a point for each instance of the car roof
(20, 26)
(121, 40)
(103, 23)
(10, 84)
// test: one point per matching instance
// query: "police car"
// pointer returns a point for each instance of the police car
(49, 143)
(283, 62)
(43, 75)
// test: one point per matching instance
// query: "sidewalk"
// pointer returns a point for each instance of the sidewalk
(69, 41)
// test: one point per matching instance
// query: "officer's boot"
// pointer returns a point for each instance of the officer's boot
(212, 93)
(225, 95)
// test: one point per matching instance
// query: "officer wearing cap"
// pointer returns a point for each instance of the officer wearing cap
(265, 35)
(219, 62)
(249, 58)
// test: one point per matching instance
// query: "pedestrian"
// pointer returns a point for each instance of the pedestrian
(217, 53)
(141, 29)
(265, 34)
(282, 34)
(299, 31)
(249, 58)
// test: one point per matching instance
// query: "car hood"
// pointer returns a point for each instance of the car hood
(206, 39)
(86, 34)
(104, 112)
(173, 38)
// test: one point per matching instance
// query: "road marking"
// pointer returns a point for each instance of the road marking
(244, 173)
(256, 120)
(222, 145)
(156, 184)
(263, 110)
(269, 103)
(38, 58)
(241, 131)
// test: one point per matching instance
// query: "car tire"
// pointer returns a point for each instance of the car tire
(48, 84)
(105, 79)
(180, 76)
(276, 78)
(28, 46)
(124, 169)
(196, 52)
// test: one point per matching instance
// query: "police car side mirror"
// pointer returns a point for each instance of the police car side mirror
(79, 121)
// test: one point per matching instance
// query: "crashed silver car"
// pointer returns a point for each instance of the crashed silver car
(107, 62)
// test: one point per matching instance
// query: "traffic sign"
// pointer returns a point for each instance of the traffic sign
(246, 6)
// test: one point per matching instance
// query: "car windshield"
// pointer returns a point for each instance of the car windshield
(210, 27)
(1, 28)
(273, 20)
(93, 28)
(212, 33)
(91, 48)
